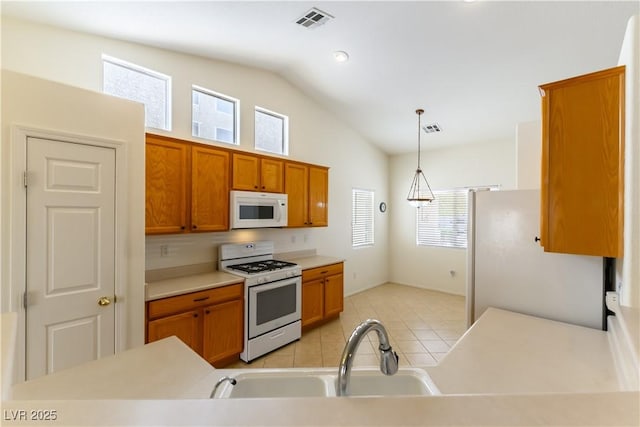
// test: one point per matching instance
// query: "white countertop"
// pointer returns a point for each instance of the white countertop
(531, 359)
(183, 285)
(315, 261)
(199, 282)
(506, 352)
(164, 369)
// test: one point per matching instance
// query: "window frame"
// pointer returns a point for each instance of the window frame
(148, 72)
(285, 131)
(236, 114)
(366, 242)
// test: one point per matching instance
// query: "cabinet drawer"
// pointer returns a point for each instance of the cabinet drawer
(321, 272)
(166, 306)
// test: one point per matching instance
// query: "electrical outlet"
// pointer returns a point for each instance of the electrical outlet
(164, 250)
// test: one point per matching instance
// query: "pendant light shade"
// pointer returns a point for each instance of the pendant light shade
(420, 192)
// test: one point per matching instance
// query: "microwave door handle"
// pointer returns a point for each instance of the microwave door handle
(279, 211)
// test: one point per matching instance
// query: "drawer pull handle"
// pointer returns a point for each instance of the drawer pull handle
(324, 272)
(200, 299)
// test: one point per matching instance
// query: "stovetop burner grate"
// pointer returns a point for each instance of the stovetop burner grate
(261, 266)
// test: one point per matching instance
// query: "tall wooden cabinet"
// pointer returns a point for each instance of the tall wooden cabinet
(322, 294)
(167, 186)
(308, 189)
(210, 322)
(582, 185)
(187, 186)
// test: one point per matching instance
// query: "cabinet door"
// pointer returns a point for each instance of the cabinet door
(333, 295)
(583, 164)
(166, 180)
(271, 175)
(312, 302)
(296, 183)
(318, 196)
(209, 189)
(223, 329)
(185, 326)
(245, 172)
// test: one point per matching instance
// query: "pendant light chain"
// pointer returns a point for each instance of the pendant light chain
(420, 193)
(419, 113)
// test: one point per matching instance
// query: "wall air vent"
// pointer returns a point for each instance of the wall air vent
(431, 128)
(313, 18)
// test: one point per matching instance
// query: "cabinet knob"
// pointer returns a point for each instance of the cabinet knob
(194, 226)
(537, 239)
(207, 312)
(255, 186)
(195, 314)
(182, 227)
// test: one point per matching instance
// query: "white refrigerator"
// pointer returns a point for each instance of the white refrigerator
(507, 268)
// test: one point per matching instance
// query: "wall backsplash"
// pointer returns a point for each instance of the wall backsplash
(175, 250)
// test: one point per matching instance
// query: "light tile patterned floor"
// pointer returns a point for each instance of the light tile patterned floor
(422, 324)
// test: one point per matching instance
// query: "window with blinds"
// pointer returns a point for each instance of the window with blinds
(443, 222)
(362, 218)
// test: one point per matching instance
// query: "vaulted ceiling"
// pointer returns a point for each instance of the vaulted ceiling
(473, 66)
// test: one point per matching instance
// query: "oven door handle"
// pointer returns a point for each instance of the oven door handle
(274, 285)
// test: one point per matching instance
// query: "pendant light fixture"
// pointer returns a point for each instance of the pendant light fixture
(420, 192)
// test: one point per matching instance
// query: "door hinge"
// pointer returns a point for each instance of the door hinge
(25, 181)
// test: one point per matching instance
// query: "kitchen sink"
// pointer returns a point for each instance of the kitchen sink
(404, 383)
(274, 383)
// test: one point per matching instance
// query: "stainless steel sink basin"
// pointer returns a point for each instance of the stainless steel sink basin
(274, 383)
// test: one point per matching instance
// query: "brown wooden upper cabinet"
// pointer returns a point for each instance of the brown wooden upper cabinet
(582, 202)
(257, 173)
(187, 186)
(308, 189)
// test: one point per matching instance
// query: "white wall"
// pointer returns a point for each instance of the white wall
(316, 136)
(628, 269)
(50, 107)
(492, 163)
(529, 155)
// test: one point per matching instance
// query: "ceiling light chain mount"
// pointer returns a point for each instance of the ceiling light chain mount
(420, 193)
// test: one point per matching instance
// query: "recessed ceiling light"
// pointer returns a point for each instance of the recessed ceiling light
(340, 56)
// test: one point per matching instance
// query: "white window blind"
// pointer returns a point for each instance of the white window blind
(443, 222)
(362, 218)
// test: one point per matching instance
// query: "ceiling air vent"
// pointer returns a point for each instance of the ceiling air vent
(431, 128)
(313, 18)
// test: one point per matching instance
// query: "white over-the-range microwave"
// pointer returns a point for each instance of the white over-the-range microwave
(250, 209)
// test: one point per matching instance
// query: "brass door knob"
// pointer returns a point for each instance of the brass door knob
(104, 301)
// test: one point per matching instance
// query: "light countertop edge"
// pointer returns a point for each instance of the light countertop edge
(200, 282)
(186, 284)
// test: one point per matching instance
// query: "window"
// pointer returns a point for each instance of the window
(139, 84)
(362, 218)
(443, 222)
(214, 116)
(271, 132)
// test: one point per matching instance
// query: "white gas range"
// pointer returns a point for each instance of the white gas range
(272, 295)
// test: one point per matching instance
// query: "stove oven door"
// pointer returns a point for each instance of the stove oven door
(273, 305)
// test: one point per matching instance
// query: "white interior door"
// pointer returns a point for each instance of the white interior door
(70, 255)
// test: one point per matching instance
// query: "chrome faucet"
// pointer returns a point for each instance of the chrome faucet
(232, 381)
(388, 357)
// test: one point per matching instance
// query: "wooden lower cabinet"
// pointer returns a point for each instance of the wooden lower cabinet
(222, 331)
(322, 294)
(210, 322)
